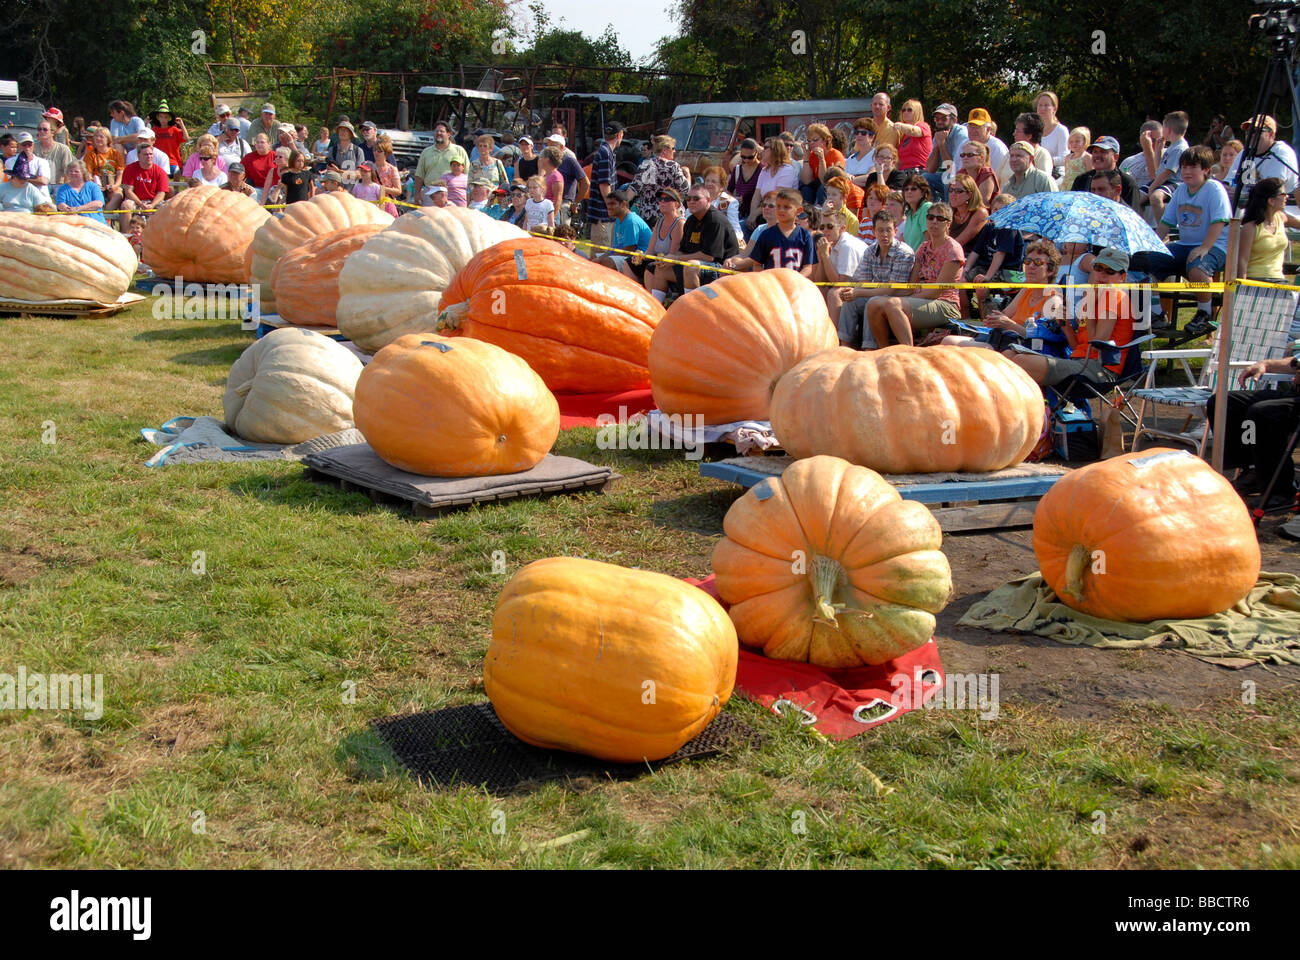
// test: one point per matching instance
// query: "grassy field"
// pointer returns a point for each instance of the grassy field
(227, 739)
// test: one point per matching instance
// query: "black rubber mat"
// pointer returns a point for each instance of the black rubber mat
(469, 745)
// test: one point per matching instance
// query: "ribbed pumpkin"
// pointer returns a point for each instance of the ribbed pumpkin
(302, 223)
(203, 235)
(828, 564)
(910, 409)
(619, 664)
(63, 258)
(290, 386)
(719, 350)
(1152, 535)
(584, 328)
(393, 285)
(305, 281)
(455, 408)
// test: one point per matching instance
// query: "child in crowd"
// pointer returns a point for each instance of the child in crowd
(540, 210)
(366, 187)
(457, 183)
(786, 244)
(837, 191)
(1078, 160)
(896, 206)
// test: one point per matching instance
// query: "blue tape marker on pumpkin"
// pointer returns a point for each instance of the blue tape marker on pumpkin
(444, 347)
(519, 265)
(711, 294)
(764, 490)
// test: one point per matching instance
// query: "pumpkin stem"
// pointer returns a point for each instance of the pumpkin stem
(827, 575)
(451, 316)
(1074, 568)
(243, 388)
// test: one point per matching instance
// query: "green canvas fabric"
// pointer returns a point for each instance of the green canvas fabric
(1262, 628)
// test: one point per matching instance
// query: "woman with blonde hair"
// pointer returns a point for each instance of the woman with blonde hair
(914, 138)
(1227, 154)
(207, 143)
(1056, 138)
(1078, 161)
(973, 161)
(969, 214)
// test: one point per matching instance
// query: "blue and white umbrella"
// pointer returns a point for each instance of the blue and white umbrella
(1072, 216)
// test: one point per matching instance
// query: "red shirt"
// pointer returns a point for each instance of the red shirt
(260, 169)
(169, 140)
(147, 184)
(915, 151)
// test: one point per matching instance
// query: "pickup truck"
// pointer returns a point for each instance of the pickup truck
(17, 115)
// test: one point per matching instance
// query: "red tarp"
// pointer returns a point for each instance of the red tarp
(838, 703)
(582, 409)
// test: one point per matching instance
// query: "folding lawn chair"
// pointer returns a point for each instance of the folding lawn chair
(1261, 323)
(1117, 393)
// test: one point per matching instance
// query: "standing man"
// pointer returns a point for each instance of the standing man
(223, 114)
(52, 152)
(1105, 156)
(369, 137)
(435, 161)
(264, 124)
(1274, 158)
(603, 177)
(885, 132)
(949, 135)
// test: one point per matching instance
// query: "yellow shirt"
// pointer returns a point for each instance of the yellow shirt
(1268, 252)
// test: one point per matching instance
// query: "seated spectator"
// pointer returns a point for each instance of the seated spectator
(1078, 161)
(914, 137)
(1105, 153)
(949, 137)
(837, 194)
(1201, 211)
(480, 193)
(785, 244)
(887, 260)
(38, 170)
(58, 130)
(145, 139)
(707, 239)
(105, 165)
(8, 150)
(80, 194)
(997, 256)
(897, 208)
(821, 154)
(1264, 244)
(974, 157)
(539, 207)
(1220, 133)
(18, 194)
(144, 186)
(969, 214)
(853, 195)
(665, 239)
(1104, 315)
(499, 204)
(873, 203)
(230, 146)
(1165, 171)
(1029, 131)
(260, 166)
(723, 202)
(208, 172)
(457, 183)
(265, 123)
(861, 158)
(1025, 178)
(296, 181)
(938, 260)
(743, 180)
(887, 171)
(169, 136)
(345, 155)
(75, 133)
(55, 154)
(916, 204)
(223, 116)
(839, 254)
(206, 144)
(982, 130)
(236, 181)
(516, 212)
(1042, 260)
(1108, 184)
(1261, 452)
(1136, 165)
(1055, 140)
(286, 137)
(1227, 157)
(125, 125)
(777, 173)
(767, 210)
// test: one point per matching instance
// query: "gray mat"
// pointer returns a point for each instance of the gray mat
(775, 466)
(208, 440)
(360, 466)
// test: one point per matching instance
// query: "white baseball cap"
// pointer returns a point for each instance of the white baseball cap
(556, 139)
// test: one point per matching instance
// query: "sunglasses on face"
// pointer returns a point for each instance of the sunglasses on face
(956, 190)
(862, 133)
(1037, 262)
(769, 206)
(747, 156)
(1102, 268)
(968, 155)
(935, 216)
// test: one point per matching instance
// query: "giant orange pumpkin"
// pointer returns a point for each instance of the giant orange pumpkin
(204, 235)
(910, 409)
(624, 665)
(719, 350)
(305, 281)
(828, 564)
(582, 327)
(1153, 535)
(454, 408)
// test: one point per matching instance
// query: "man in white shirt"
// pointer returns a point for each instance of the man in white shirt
(39, 170)
(979, 127)
(160, 158)
(223, 114)
(231, 147)
(1273, 158)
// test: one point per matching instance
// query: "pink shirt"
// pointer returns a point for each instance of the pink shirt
(552, 179)
(931, 260)
(456, 187)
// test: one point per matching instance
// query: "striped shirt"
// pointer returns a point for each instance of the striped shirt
(897, 267)
(602, 171)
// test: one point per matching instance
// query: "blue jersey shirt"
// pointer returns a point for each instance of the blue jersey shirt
(775, 249)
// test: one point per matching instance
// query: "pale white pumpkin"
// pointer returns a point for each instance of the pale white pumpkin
(392, 286)
(302, 223)
(63, 258)
(291, 386)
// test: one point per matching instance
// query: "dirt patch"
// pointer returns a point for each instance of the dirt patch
(178, 729)
(1083, 682)
(19, 566)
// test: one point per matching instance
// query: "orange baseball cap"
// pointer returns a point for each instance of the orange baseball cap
(979, 116)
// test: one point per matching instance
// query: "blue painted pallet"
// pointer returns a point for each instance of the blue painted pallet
(952, 491)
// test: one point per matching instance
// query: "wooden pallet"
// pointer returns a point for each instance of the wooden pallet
(957, 504)
(71, 309)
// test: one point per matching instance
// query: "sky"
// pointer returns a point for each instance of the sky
(638, 23)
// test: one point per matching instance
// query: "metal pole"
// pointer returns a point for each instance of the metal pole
(1224, 383)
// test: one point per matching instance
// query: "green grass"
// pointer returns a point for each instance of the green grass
(225, 692)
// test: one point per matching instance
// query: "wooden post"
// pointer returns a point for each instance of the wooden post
(1225, 344)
